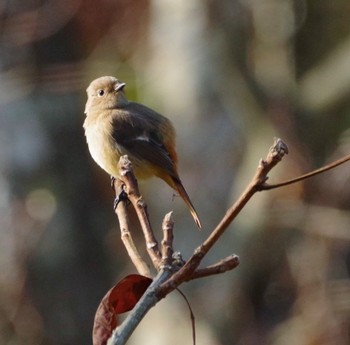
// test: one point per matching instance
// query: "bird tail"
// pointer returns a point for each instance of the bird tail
(181, 190)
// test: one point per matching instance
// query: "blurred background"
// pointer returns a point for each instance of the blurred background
(231, 75)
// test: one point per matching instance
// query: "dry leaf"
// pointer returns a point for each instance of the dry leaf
(119, 299)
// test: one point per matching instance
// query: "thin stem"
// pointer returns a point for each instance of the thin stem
(222, 266)
(132, 190)
(327, 167)
(126, 237)
(168, 238)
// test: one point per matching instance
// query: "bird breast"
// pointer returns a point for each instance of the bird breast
(102, 146)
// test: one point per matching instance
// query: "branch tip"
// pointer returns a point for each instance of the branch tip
(169, 216)
(280, 147)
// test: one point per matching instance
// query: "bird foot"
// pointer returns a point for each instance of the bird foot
(112, 183)
(123, 196)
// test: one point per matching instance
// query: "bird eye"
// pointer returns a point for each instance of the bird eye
(100, 93)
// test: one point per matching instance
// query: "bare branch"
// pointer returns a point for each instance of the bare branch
(166, 280)
(132, 190)
(224, 265)
(147, 301)
(122, 213)
(327, 167)
(274, 156)
(167, 242)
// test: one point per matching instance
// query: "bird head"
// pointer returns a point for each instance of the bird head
(105, 93)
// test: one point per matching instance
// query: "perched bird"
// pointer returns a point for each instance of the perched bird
(115, 126)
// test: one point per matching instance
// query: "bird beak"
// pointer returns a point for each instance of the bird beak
(119, 86)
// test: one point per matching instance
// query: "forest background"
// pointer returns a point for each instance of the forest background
(231, 75)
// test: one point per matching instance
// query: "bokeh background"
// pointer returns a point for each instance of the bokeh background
(231, 75)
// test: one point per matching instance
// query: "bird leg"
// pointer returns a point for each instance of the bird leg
(122, 196)
(112, 183)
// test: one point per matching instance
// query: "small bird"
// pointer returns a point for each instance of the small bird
(115, 126)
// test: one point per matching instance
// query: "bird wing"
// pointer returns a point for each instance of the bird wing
(137, 136)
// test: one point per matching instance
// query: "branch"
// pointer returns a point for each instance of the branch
(166, 280)
(224, 265)
(132, 190)
(327, 167)
(122, 213)
(147, 301)
(168, 238)
(274, 156)
(149, 298)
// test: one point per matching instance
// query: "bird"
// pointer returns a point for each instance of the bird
(115, 126)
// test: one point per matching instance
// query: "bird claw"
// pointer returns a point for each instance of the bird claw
(112, 183)
(123, 196)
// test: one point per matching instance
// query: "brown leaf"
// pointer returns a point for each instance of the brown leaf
(120, 298)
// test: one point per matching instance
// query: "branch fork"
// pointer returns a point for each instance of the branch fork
(172, 271)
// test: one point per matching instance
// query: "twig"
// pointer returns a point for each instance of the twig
(122, 213)
(327, 167)
(193, 320)
(167, 242)
(222, 266)
(132, 190)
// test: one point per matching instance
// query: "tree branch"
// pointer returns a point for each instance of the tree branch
(274, 156)
(132, 190)
(224, 265)
(172, 271)
(147, 301)
(327, 167)
(167, 242)
(124, 224)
